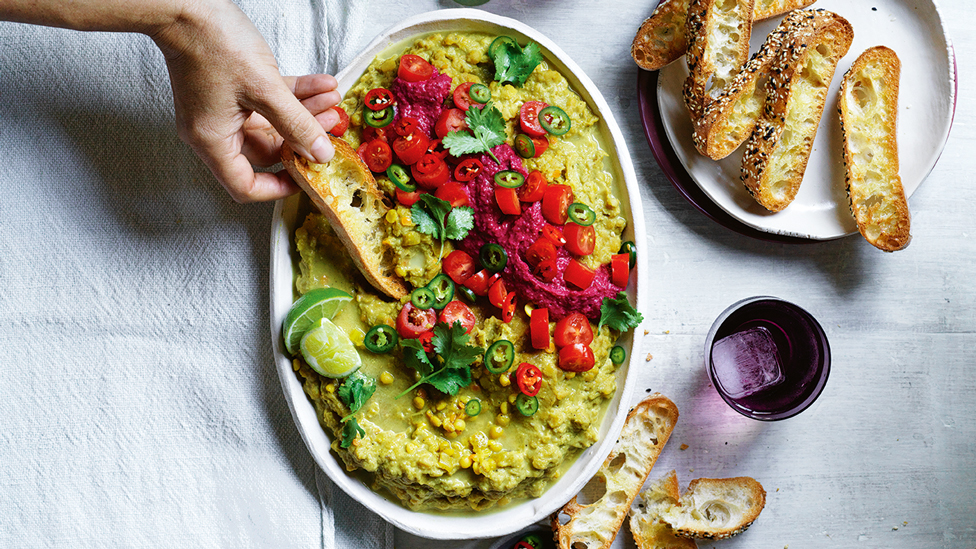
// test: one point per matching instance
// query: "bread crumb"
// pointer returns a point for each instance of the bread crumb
(646, 332)
(667, 331)
(649, 357)
(894, 527)
(683, 447)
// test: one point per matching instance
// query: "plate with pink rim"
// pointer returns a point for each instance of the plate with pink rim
(821, 211)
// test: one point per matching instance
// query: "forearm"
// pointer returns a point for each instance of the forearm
(142, 16)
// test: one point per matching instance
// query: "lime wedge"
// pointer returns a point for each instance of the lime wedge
(329, 351)
(307, 311)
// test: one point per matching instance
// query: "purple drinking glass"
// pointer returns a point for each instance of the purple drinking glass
(743, 332)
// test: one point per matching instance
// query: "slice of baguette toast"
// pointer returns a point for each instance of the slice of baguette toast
(645, 432)
(727, 122)
(649, 529)
(661, 38)
(716, 508)
(345, 191)
(777, 152)
(718, 47)
(868, 115)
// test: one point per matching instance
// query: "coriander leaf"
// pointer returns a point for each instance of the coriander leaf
(454, 354)
(423, 221)
(356, 390)
(514, 64)
(488, 128)
(415, 356)
(618, 314)
(459, 222)
(351, 430)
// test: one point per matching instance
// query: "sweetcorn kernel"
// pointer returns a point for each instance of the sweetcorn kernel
(465, 462)
(406, 220)
(392, 217)
(459, 425)
(330, 387)
(418, 403)
(504, 380)
(495, 432)
(411, 239)
(503, 420)
(386, 378)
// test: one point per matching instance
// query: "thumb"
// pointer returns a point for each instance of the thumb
(295, 124)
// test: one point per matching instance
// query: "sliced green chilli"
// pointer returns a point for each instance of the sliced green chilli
(618, 354)
(401, 178)
(493, 257)
(499, 43)
(472, 408)
(479, 93)
(443, 289)
(554, 120)
(526, 405)
(499, 356)
(381, 339)
(510, 179)
(629, 248)
(467, 293)
(524, 146)
(422, 298)
(581, 214)
(378, 119)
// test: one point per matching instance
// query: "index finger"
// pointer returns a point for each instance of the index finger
(310, 84)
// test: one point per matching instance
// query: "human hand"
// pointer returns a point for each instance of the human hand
(234, 108)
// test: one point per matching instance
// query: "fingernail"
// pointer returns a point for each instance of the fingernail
(322, 150)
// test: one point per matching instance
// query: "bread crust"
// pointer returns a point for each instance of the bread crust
(645, 432)
(775, 159)
(868, 108)
(716, 508)
(718, 47)
(661, 38)
(650, 531)
(346, 193)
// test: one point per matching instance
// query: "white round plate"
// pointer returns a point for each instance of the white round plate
(913, 28)
(463, 525)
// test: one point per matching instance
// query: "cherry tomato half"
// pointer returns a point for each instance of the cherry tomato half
(497, 293)
(539, 329)
(529, 118)
(406, 198)
(411, 147)
(413, 321)
(580, 240)
(430, 171)
(378, 99)
(457, 311)
(377, 155)
(573, 328)
(370, 133)
(479, 282)
(450, 120)
(578, 274)
(406, 125)
(468, 169)
(414, 68)
(462, 95)
(546, 270)
(540, 250)
(555, 203)
(508, 201)
(577, 357)
(343, 124)
(541, 145)
(459, 265)
(620, 269)
(554, 235)
(452, 192)
(534, 188)
(529, 379)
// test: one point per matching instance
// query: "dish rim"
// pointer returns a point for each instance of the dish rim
(491, 523)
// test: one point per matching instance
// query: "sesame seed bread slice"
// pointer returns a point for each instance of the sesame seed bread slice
(777, 152)
(345, 191)
(716, 508)
(649, 529)
(727, 122)
(868, 115)
(661, 38)
(645, 432)
(718, 47)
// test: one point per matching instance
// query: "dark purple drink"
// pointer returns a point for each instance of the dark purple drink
(769, 359)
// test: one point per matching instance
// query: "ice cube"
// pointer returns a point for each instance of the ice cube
(747, 362)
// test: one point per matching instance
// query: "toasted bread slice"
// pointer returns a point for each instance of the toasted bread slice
(649, 529)
(718, 47)
(868, 115)
(777, 152)
(727, 122)
(661, 38)
(716, 508)
(345, 191)
(644, 434)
